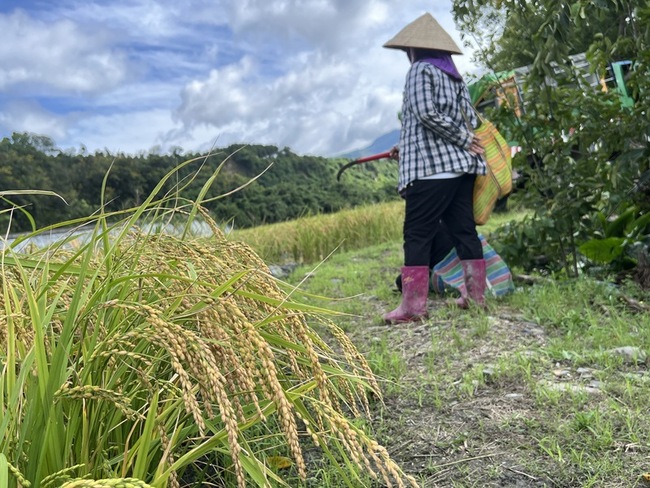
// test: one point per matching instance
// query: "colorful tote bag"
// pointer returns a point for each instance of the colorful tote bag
(497, 183)
(448, 273)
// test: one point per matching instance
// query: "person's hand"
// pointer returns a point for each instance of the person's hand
(394, 153)
(476, 148)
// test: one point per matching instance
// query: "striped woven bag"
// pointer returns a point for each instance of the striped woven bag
(448, 273)
(497, 183)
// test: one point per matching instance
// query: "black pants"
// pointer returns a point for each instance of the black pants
(430, 202)
(441, 245)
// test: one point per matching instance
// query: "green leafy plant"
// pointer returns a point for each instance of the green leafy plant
(587, 149)
(623, 238)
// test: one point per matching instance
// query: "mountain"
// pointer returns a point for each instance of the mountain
(381, 144)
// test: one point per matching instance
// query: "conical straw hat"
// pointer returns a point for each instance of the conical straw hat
(424, 33)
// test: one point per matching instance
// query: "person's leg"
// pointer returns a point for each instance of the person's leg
(441, 245)
(460, 219)
(416, 220)
(426, 202)
(424, 206)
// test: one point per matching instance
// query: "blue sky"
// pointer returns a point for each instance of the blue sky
(139, 76)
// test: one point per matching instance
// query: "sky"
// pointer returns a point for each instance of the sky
(142, 76)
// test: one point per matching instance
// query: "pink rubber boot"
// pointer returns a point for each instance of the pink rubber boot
(415, 289)
(474, 270)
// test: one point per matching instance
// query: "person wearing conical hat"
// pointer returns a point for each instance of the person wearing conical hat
(439, 159)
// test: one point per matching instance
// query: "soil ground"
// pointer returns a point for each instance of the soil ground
(450, 420)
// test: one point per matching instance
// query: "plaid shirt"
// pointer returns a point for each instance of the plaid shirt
(434, 136)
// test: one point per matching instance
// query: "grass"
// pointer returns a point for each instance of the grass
(534, 390)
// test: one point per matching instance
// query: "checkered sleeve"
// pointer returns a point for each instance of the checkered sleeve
(434, 100)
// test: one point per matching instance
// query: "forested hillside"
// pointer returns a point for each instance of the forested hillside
(292, 186)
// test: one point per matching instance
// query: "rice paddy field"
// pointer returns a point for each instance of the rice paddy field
(135, 357)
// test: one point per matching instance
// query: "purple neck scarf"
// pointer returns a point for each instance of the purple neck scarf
(442, 60)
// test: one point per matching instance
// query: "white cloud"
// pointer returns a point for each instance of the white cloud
(322, 102)
(28, 116)
(326, 25)
(312, 108)
(58, 57)
(132, 132)
(149, 20)
(130, 75)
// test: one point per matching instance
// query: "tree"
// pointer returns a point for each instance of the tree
(288, 186)
(591, 153)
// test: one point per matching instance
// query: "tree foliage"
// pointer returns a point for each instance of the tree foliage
(290, 185)
(586, 155)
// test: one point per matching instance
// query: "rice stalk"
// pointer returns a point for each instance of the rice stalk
(112, 483)
(135, 356)
(311, 239)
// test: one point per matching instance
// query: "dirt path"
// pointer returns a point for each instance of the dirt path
(463, 408)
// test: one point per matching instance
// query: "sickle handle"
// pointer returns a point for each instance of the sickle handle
(366, 159)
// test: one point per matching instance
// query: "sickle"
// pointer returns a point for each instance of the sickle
(374, 157)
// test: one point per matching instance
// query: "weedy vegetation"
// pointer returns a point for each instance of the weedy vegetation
(548, 387)
(134, 358)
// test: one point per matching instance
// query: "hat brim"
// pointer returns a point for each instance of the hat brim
(423, 33)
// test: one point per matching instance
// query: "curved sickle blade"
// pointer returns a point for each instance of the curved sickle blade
(374, 157)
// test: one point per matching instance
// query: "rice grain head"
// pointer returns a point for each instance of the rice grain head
(203, 322)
